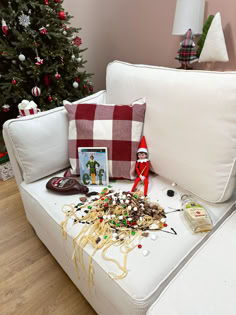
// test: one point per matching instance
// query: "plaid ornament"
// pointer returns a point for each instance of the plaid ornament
(187, 54)
(117, 127)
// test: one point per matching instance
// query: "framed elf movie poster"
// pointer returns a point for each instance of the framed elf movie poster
(93, 164)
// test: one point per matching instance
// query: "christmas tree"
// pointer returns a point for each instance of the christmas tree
(187, 53)
(40, 56)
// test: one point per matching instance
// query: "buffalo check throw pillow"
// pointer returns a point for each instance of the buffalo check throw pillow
(117, 127)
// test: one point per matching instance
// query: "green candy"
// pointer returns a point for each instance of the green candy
(133, 233)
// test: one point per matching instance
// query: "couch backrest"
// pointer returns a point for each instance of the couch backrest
(190, 123)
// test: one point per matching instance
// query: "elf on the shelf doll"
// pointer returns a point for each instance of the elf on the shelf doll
(142, 166)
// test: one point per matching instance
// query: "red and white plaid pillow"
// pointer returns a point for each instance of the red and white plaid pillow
(117, 127)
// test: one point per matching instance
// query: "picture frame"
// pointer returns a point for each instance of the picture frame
(93, 163)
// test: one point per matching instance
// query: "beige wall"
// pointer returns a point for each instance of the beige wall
(139, 31)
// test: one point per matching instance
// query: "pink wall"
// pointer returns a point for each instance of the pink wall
(140, 31)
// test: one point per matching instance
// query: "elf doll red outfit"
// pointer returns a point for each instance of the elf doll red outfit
(142, 166)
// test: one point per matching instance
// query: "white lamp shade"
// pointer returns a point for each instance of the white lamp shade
(188, 14)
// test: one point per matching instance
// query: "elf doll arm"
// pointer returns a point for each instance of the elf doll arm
(146, 171)
(137, 169)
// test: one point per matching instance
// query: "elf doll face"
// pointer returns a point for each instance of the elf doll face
(142, 155)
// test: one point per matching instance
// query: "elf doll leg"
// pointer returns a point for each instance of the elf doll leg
(136, 183)
(145, 186)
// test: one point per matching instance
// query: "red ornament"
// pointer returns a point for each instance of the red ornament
(13, 82)
(4, 27)
(57, 1)
(39, 61)
(62, 15)
(47, 80)
(50, 98)
(67, 28)
(43, 30)
(77, 79)
(35, 44)
(77, 41)
(6, 108)
(85, 86)
(57, 76)
(46, 2)
(36, 91)
(91, 88)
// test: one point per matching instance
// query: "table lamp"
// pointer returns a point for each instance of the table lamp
(188, 21)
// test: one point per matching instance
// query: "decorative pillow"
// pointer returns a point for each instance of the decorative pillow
(117, 127)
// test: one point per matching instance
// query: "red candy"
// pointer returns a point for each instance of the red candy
(139, 246)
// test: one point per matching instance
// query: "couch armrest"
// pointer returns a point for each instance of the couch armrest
(38, 144)
(15, 166)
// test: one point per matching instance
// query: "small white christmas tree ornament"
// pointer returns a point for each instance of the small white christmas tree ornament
(214, 48)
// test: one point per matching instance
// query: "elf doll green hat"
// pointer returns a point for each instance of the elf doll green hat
(143, 146)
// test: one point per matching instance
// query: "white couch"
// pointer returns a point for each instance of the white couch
(190, 127)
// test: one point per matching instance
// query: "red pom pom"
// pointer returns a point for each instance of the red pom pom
(46, 2)
(13, 82)
(62, 15)
(50, 98)
(85, 86)
(91, 88)
(57, 1)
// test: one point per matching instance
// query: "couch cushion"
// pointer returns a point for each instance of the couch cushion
(117, 127)
(147, 276)
(39, 158)
(190, 123)
(207, 283)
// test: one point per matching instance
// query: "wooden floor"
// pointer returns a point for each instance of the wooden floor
(31, 281)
